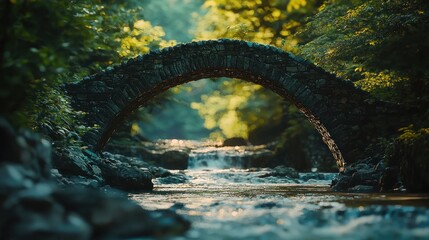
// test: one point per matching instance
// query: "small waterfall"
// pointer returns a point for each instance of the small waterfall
(216, 158)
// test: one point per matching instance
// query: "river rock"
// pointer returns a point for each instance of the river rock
(159, 172)
(13, 178)
(359, 174)
(267, 205)
(174, 159)
(115, 217)
(163, 176)
(32, 206)
(314, 176)
(282, 171)
(341, 183)
(124, 176)
(133, 161)
(361, 189)
(25, 148)
(174, 178)
(235, 141)
(34, 214)
(72, 161)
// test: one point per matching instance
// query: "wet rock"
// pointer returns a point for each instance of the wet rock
(174, 159)
(364, 176)
(341, 183)
(159, 172)
(366, 172)
(362, 189)
(124, 176)
(133, 161)
(165, 156)
(25, 148)
(235, 141)
(177, 206)
(174, 178)
(10, 150)
(13, 178)
(282, 171)
(34, 214)
(72, 161)
(163, 176)
(45, 212)
(115, 217)
(314, 176)
(268, 205)
(33, 207)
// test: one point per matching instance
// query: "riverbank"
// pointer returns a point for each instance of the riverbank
(37, 202)
(70, 192)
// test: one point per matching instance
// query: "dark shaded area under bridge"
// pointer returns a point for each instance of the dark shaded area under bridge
(347, 118)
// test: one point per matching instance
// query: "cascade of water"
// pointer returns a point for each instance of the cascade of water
(216, 158)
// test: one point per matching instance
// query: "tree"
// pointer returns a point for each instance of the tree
(44, 44)
(230, 110)
(382, 46)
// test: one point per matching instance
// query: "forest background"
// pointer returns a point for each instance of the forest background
(382, 46)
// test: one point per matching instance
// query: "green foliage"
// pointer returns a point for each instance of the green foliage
(269, 22)
(380, 45)
(45, 44)
(236, 107)
(409, 134)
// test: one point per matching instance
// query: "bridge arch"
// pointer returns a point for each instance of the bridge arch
(335, 107)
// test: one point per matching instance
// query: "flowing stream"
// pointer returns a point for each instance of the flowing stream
(224, 201)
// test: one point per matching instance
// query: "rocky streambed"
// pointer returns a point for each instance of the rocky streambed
(70, 192)
(72, 197)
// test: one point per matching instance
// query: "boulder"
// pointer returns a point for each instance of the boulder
(72, 161)
(133, 161)
(46, 212)
(32, 206)
(282, 171)
(25, 148)
(174, 178)
(34, 214)
(163, 176)
(341, 183)
(115, 217)
(174, 159)
(356, 175)
(14, 177)
(235, 141)
(124, 176)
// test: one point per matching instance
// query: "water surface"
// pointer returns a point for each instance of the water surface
(232, 203)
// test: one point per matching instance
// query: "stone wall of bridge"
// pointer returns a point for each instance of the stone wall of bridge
(343, 114)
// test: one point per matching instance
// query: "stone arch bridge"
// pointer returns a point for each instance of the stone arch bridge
(341, 113)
